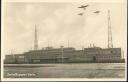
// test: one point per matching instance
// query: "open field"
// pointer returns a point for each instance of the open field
(82, 70)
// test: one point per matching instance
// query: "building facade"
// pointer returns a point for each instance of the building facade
(67, 55)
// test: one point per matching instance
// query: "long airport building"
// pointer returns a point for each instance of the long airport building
(67, 55)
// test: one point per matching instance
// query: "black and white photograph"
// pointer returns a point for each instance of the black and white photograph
(61, 40)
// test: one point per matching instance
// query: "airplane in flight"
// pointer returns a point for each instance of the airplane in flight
(97, 12)
(81, 14)
(83, 6)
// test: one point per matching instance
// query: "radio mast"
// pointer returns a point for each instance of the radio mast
(35, 40)
(110, 44)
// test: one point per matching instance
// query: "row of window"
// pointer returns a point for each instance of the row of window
(101, 56)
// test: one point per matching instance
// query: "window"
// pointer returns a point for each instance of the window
(111, 51)
(36, 60)
(21, 56)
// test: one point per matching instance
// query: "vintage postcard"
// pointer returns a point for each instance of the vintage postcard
(64, 40)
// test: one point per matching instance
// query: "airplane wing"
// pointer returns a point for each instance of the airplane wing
(84, 7)
(96, 12)
(81, 14)
(79, 7)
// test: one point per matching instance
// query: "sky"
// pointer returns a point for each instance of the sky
(58, 23)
